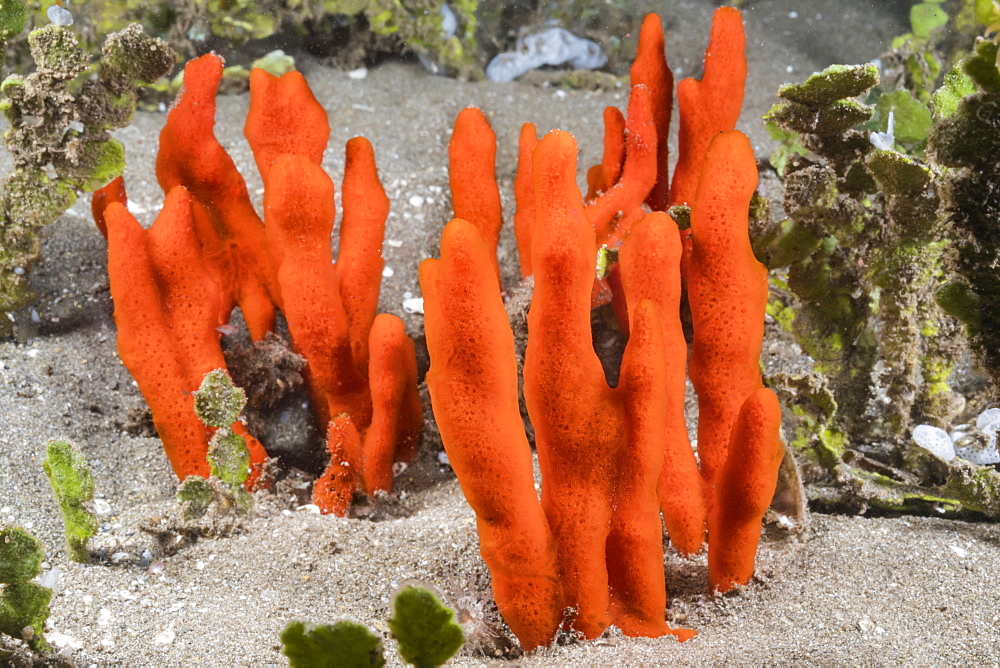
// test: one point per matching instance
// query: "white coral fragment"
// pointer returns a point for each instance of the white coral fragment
(552, 46)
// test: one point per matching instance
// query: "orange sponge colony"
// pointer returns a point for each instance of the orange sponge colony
(593, 542)
(361, 369)
(165, 309)
(611, 459)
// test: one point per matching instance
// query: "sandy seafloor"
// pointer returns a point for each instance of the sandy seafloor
(852, 591)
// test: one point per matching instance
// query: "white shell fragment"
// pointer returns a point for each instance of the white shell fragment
(989, 421)
(935, 441)
(885, 140)
(59, 16)
(553, 46)
(974, 443)
(449, 22)
(979, 446)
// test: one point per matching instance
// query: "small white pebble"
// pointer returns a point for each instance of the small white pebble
(962, 554)
(310, 508)
(358, 74)
(394, 243)
(61, 640)
(387, 272)
(443, 458)
(416, 200)
(50, 578)
(414, 305)
(102, 507)
(166, 636)
(793, 15)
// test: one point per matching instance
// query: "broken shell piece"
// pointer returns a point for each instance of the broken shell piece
(935, 441)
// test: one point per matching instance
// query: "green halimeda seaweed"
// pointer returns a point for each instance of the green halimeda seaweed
(24, 605)
(195, 494)
(925, 17)
(425, 628)
(13, 16)
(218, 404)
(912, 117)
(73, 485)
(957, 84)
(345, 644)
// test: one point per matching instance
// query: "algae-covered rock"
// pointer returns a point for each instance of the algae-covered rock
(865, 250)
(957, 84)
(836, 117)
(442, 33)
(898, 174)
(968, 142)
(836, 82)
(60, 120)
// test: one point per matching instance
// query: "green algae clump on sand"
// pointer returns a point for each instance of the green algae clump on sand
(424, 627)
(24, 605)
(73, 485)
